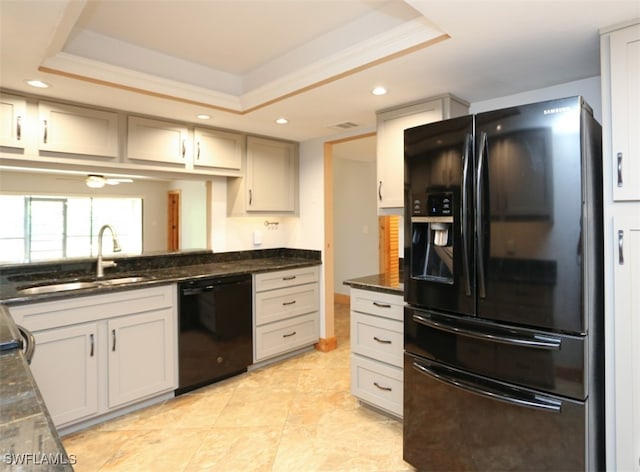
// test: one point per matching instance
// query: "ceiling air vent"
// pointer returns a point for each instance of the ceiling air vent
(345, 125)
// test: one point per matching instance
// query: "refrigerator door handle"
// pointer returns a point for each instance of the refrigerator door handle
(490, 390)
(465, 213)
(479, 228)
(536, 341)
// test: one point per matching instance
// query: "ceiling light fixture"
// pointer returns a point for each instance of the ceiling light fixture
(99, 181)
(95, 181)
(379, 91)
(38, 83)
(203, 116)
(282, 121)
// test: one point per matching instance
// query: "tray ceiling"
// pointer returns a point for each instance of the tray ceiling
(314, 61)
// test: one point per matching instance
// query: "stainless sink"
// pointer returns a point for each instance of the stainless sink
(123, 280)
(57, 287)
(78, 285)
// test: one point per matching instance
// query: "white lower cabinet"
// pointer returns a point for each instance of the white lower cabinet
(140, 356)
(96, 354)
(286, 311)
(66, 370)
(626, 273)
(377, 343)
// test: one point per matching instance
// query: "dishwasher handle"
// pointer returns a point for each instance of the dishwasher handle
(196, 291)
(196, 287)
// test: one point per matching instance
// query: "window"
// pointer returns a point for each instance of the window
(37, 228)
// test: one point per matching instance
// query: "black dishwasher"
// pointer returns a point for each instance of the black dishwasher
(215, 340)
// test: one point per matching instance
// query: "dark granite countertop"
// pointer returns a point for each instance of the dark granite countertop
(27, 434)
(157, 269)
(28, 439)
(378, 283)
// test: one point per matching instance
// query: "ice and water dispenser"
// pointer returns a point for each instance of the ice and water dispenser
(432, 237)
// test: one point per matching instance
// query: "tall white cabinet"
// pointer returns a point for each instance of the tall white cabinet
(620, 60)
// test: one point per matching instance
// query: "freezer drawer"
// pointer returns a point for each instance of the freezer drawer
(549, 362)
(454, 420)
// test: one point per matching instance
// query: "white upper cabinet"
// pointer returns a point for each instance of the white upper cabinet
(12, 120)
(78, 130)
(390, 143)
(159, 141)
(219, 149)
(270, 182)
(624, 90)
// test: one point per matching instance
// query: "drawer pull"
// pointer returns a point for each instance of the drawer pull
(289, 335)
(290, 277)
(386, 389)
(382, 341)
(288, 303)
(382, 305)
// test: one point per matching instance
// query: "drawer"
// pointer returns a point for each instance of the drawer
(81, 309)
(282, 336)
(378, 303)
(276, 305)
(285, 278)
(377, 383)
(376, 337)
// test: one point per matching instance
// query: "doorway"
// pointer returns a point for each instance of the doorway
(387, 245)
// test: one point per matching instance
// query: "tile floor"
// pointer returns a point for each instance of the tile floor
(297, 415)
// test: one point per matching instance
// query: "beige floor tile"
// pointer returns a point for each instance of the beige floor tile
(156, 450)
(294, 415)
(93, 448)
(237, 449)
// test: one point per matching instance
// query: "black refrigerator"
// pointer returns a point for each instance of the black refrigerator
(504, 342)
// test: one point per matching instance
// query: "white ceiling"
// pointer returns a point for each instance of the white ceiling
(248, 62)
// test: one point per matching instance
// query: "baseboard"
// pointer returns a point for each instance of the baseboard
(327, 344)
(341, 298)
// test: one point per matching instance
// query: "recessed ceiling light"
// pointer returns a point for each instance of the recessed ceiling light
(203, 116)
(282, 121)
(38, 83)
(379, 91)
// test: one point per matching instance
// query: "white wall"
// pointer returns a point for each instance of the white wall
(239, 233)
(588, 88)
(355, 221)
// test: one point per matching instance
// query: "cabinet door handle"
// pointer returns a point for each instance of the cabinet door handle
(620, 247)
(619, 169)
(289, 335)
(198, 152)
(91, 341)
(19, 128)
(386, 389)
(381, 341)
(288, 303)
(250, 197)
(380, 190)
(382, 305)
(46, 131)
(113, 334)
(184, 148)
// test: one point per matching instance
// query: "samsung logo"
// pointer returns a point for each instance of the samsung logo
(549, 111)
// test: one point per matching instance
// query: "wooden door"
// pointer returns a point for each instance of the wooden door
(173, 220)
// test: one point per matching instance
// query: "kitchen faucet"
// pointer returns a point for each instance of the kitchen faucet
(116, 248)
